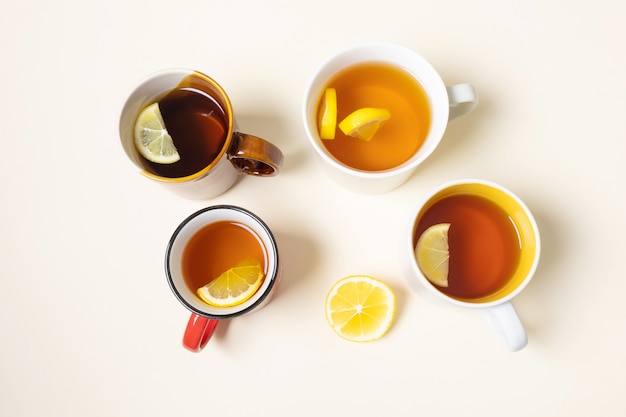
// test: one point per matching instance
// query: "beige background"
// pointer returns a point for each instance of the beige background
(88, 325)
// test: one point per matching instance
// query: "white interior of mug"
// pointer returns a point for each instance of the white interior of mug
(149, 91)
(152, 90)
(178, 242)
(401, 57)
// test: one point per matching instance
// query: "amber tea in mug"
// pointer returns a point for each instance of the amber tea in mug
(381, 85)
(381, 76)
(217, 247)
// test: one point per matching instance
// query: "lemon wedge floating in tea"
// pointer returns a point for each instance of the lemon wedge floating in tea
(233, 286)
(328, 114)
(360, 308)
(432, 254)
(364, 122)
(151, 137)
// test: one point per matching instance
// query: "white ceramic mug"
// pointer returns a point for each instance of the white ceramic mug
(496, 306)
(239, 152)
(446, 103)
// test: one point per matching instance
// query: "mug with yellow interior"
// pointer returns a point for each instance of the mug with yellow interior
(474, 244)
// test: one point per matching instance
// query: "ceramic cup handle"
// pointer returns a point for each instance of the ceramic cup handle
(462, 98)
(198, 332)
(507, 326)
(255, 156)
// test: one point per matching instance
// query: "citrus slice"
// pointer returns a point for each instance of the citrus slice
(234, 286)
(364, 123)
(328, 114)
(151, 137)
(360, 308)
(432, 255)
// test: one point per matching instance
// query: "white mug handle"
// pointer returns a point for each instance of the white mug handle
(507, 326)
(462, 99)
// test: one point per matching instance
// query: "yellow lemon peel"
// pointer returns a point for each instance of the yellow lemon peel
(364, 122)
(234, 286)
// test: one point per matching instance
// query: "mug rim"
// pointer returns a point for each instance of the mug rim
(271, 276)
(309, 101)
(183, 72)
(430, 288)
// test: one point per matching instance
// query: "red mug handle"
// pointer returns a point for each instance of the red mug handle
(198, 332)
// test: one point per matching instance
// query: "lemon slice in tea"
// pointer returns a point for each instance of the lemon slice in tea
(364, 122)
(151, 137)
(360, 308)
(328, 114)
(432, 254)
(234, 286)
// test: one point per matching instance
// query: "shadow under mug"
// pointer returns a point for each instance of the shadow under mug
(205, 318)
(239, 152)
(446, 103)
(496, 307)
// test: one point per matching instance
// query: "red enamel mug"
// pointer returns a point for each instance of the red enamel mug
(205, 317)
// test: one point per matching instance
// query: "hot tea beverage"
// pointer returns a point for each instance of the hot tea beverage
(380, 85)
(198, 125)
(484, 244)
(218, 247)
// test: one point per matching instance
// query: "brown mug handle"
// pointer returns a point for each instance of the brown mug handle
(255, 156)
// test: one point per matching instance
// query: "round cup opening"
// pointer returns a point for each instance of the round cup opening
(179, 240)
(153, 89)
(518, 214)
(399, 57)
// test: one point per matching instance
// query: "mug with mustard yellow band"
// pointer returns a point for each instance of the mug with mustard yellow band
(178, 128)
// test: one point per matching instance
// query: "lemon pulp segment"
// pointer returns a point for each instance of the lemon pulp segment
(151, 137)
(360, 308)
(432, 254)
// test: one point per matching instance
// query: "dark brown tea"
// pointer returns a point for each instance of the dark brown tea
(197, 124)
(484, 244)
(218, 247)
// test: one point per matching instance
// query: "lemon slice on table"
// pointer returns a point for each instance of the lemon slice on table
(233, 286)
(432, 254)
(151, 137)
(328, 114)
(360, 308)
(364, 122)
